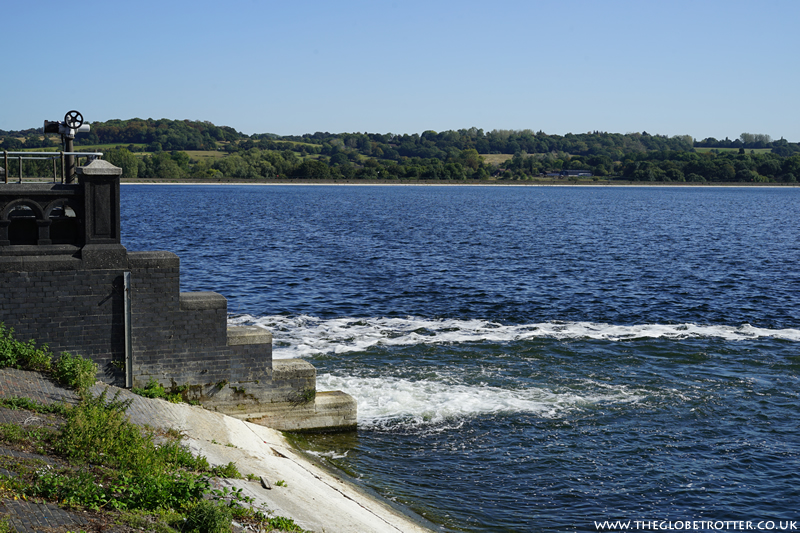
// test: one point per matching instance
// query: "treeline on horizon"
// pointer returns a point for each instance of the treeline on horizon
(449, 155)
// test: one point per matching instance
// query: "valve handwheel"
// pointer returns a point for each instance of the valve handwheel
(73, 119)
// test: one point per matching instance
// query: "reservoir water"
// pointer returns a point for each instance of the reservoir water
(524, 358)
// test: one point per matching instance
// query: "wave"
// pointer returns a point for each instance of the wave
(306, 336)
(396, 402)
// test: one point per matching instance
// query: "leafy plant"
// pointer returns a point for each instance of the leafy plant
(35, 437)
(11, 433)
(116, 465)
(75, 371)
(229, 470)
(71, 370)
(16, 402)
(281, 483)
(97, 431)
(16, 354)
(284, 524)
(208, 516)
(75, 489)
(157, 521)
(179, 455)
(154, 389)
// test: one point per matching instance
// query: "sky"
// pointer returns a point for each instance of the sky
(700, 68)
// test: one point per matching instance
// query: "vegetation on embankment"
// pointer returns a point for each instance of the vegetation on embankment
(91, 457)
(167, 150)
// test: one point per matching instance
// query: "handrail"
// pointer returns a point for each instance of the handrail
(54, 152)
(34, 156)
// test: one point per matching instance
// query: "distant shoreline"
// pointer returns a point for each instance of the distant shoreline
(480, 183)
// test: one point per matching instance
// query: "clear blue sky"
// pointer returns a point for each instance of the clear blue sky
(702, 68)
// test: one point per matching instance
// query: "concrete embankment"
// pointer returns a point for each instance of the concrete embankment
(314, 498)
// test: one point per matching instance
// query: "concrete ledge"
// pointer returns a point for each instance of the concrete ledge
(239, 335)
(330, 411)
(156, 259)
(202, 301)
(104, 256)
(32, 263)
(287, 369)
(39, 250)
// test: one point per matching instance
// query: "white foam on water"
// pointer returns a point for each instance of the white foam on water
(393, 402)
(305, 336)
(328, 455)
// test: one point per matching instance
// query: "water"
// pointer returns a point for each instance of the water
(524, 358)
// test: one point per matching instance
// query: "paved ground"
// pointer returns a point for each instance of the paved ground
(25, 516)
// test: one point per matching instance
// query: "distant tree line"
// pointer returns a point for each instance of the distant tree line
(752, 141)
(667, 166)
(449, 155)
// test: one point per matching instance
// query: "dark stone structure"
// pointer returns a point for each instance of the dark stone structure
(66, 280)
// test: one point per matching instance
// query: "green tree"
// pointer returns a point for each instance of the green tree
(312, 169)
(124, 159)
(471, 159)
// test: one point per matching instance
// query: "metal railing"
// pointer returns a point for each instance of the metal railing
(40, 156)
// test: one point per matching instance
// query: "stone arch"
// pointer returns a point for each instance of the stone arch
(15, 204)
(63, 216)
(64, 204)
(20, 222)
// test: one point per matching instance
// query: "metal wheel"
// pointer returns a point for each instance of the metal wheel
(73, 119)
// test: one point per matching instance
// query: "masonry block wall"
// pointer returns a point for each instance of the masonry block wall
(79, 311)
(181, 340)
(67, 289)
(63, 273)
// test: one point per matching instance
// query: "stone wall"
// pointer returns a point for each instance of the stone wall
(79, 311)
(66, 288)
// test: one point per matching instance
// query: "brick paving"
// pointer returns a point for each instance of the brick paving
(32, 516)
(34, 386)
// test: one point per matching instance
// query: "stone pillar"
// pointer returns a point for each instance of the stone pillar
(101, 232)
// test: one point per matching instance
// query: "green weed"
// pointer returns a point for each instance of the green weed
(303, 397)
(71, 370)
(154, 389)
(208, 516)
(155, 521)
(24, 355)
(284, 524)
(75, 371)
(229, 470)
(16, 402)
(37, 438)
(176, 454)
(12, 433)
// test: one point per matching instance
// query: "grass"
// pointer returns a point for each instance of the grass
(99, 461)
(205, 154)
(107, 464)
(735, 150)
(154, 389)
(496, 159)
